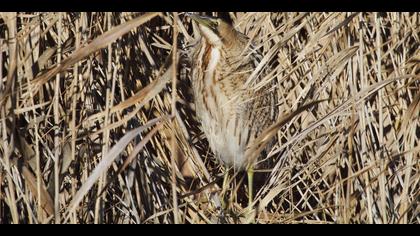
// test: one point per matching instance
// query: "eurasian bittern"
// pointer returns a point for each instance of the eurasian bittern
(232, 113)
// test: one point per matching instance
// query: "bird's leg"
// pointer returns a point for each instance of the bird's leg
(225, 180)
(225, 187)
(250, 210)
(250, 173)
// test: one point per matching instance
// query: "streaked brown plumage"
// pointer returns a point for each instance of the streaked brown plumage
(232, 114)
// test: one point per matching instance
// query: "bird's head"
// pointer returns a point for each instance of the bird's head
(215, 30)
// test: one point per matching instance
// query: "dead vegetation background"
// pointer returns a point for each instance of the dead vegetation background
(90, 131)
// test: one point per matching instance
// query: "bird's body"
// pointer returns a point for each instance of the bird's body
(232, 114)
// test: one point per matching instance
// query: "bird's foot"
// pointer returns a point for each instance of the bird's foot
(249, 215)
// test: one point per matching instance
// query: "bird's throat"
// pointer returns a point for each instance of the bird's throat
(213, 61)
(212, 38)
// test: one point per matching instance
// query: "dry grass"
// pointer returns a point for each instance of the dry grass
(90, 132)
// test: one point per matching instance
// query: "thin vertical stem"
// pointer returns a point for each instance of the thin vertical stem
(173, 109)
(381, 118)
(11, 76)
(102, 179)
(57, 127)
(74, 96)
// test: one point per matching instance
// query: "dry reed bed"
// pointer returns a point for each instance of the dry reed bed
(90, 131)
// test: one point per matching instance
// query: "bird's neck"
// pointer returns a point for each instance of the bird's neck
(226, 39)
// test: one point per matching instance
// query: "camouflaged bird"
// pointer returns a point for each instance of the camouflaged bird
(231, 112)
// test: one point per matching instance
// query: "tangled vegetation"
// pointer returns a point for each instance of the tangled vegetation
(97, 124)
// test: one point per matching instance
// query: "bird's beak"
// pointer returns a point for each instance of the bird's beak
(205, 21)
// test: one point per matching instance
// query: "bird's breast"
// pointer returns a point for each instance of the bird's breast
(218, 106)
(210, 72)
